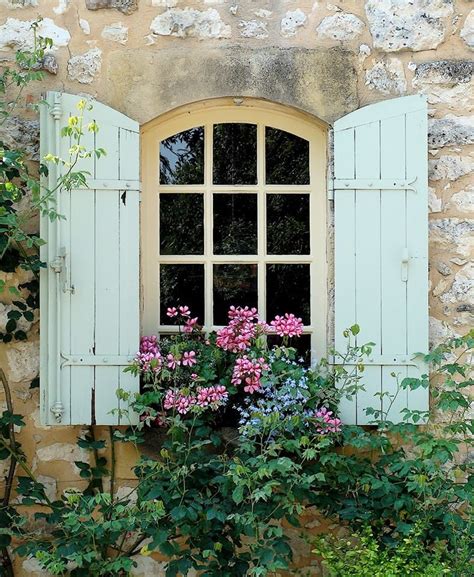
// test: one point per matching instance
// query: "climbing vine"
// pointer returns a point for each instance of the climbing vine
(24, 193)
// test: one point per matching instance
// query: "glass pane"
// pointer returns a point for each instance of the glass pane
(288, 223)
(181, 224)
(235, 154)
(182, 158)
(234, 284)
(302, 345)
(235, 224)
(288, 291)
(182, 284)
(287, 157)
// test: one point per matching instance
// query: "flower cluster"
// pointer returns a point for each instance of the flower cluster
(149, 357)
(287, 325)
(287, 401)
(184, 314)
(212, 397)
(243, 327)
(327, 422)
(175, 400)
(194, 373)
(249, 371)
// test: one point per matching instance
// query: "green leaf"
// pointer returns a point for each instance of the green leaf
(29, 316)
(238, 494)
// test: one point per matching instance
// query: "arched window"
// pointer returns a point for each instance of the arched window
(234, 213)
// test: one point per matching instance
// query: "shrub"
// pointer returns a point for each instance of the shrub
(363, 556)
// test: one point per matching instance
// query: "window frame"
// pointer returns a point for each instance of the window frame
(263, 114)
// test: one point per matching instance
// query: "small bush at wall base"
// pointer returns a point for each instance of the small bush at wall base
(362, 555)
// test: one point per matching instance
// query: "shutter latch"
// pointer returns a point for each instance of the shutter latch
(59, 267)
(405, 261)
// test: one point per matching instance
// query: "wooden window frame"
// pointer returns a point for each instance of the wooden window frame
(261, 113)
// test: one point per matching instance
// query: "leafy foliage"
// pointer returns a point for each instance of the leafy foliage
(398, 476)
(363, 556)
(23, 191)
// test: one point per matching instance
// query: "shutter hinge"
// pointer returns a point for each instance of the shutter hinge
(58, 411)
(405, 261)
(381, 360)
(330, 188)
(374, 184)
(56, 109)
(96, 360)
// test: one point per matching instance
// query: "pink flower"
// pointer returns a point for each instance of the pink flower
(171, 312)
(212, 397)
(170, 399)
(184, 311)
(175, 400)
(190, 325)
(172, 362)
(240, 314)
(149, 356)
(249, 372)
(327, 422)
(189, 359)
(288, 325)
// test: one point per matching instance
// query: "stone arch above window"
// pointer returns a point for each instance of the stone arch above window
(321, 82)
(234, 213)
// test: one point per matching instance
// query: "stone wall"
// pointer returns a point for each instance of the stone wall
(145, 57)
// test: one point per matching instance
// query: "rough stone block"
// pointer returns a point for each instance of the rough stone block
(408, 24)
(125, 6)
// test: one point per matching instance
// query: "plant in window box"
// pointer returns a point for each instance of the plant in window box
(231, 378)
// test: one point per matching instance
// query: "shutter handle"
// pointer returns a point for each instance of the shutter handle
(59, 266)
(405, 261)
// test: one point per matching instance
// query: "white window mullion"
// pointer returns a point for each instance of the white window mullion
(261, 221)
(208, 229)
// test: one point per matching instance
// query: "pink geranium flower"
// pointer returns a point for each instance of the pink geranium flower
(327, 422)
(190, 325)
(172, 362)
(249, 372)
(189, 359)
(287, 325)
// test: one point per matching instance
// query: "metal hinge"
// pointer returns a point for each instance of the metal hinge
(405, 261)
(93, 184)
(384, 360)
(373, 183)
(330, 188)
(96, 360)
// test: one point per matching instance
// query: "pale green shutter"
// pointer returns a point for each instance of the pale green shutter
(381, 247)
(90, 286)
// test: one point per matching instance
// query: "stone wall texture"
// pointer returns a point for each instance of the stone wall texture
(145, 57)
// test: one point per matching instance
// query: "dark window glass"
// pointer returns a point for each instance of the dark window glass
(234, 284)
(182, 158)
(182, 284)
(288, 290)
(288, 223)
(302, 345)
(235, 223)
(181, 224)
(235, 154)
(287, 158)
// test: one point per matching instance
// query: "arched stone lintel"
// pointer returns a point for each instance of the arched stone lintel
(322, 83)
